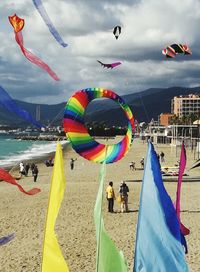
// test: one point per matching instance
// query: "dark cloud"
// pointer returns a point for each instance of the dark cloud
(148, 26)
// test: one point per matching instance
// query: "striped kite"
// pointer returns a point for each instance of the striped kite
(175, 49)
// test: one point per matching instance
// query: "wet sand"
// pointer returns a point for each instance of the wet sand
(25, 215)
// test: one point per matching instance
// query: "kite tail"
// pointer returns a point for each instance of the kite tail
(8, 178)
(4, 240)
(47, 20)
(7, 102)
(32, 58)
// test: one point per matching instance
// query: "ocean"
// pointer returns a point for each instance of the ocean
(12, 151)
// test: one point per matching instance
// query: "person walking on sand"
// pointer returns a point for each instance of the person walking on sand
(72, 163)
(110, 196)
(142, 163)
(32, 167)
(162, 156)
(123, 191)
(27, 167)
(132, 166)
(21, 169)
(35, 173)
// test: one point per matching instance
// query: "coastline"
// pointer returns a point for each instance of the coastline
(29, 157)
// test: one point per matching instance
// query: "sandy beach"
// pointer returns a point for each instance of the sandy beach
(25, 215)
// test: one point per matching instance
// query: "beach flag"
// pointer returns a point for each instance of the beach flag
(182, 165)
(184, 231)
(109, 259)
(6, 239)
(158, 240)
(53, 260)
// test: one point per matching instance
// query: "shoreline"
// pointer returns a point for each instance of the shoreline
(36, 158)
(50, 138)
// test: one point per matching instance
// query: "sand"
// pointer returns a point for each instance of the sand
(25, 215)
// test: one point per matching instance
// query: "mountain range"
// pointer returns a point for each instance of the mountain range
(145, 105)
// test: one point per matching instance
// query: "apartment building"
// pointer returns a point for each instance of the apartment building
(165, 119)
(185, 105)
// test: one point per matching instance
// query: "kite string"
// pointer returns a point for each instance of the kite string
(139, 94)
(142, 102)
(56, 117)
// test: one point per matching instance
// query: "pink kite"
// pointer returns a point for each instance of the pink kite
(109, 65)
(18, 25)
(8, 178)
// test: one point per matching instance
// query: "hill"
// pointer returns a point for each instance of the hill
(145, 105)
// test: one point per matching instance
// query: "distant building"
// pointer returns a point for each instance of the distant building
(185, 105)
(165, 119)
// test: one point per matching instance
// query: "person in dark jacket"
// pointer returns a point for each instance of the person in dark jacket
(35, 173)
(123, 191)
(27, 167)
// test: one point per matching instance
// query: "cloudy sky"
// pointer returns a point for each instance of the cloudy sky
(86, 26)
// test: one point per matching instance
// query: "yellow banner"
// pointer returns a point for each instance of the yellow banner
(53, 260)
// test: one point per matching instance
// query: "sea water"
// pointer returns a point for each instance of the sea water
(12, 151)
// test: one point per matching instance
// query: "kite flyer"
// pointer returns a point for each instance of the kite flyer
(110, 196)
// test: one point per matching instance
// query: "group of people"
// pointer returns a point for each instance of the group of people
(123, 197)
(161, 158)
(132, 164)
(24, 170)
(49, 162)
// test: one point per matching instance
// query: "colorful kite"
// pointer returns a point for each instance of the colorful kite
(7, 102)
(39, 6)
(108, 256)
(82, 142)
(174, 49)
(5, 176)
(4, 240)
(117, 31)
(18, 25)
(109, 65)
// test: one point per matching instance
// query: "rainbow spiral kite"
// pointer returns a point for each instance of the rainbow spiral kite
(81, 141)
